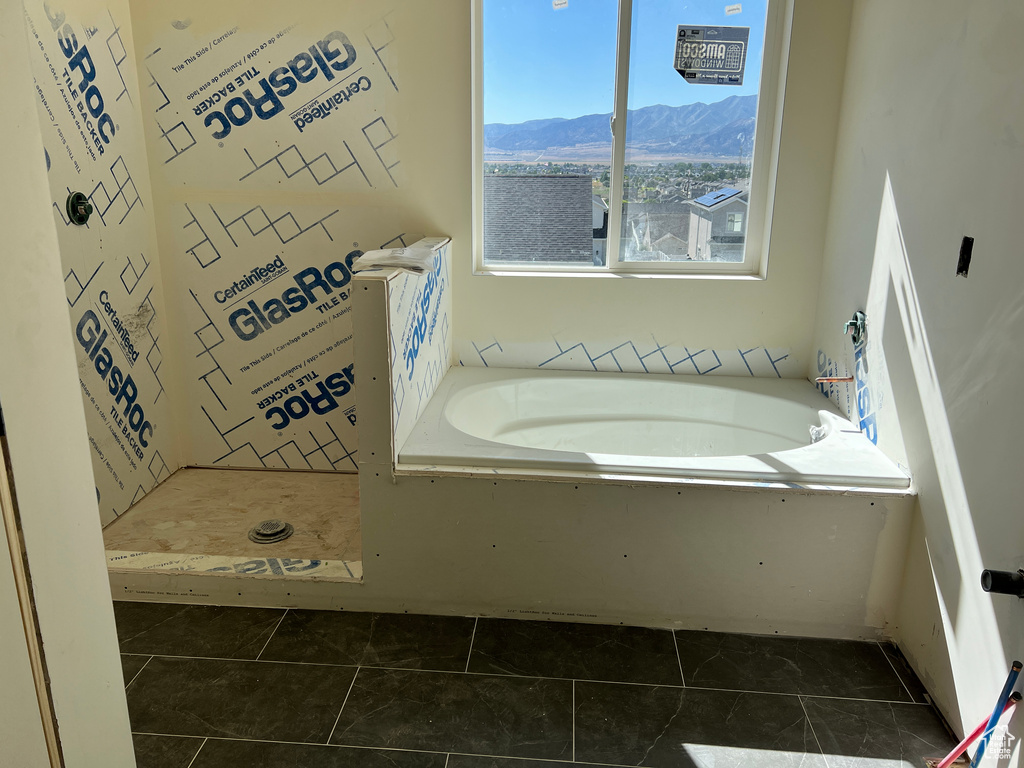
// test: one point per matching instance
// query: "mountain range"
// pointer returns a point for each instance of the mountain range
(724, 128)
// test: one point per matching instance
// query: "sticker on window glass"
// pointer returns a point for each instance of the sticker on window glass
(735, 8)
(711, 55)
(559, 4)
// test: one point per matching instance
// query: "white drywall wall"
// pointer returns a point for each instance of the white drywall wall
(21, 730)
(929, 150)
(49, 446)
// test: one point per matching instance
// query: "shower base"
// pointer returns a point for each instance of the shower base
(198, 520)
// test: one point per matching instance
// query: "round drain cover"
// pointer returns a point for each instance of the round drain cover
(270, 531)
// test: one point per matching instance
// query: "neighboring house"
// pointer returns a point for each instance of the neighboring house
(538, 219)
(718, 226)
(670, 245)
(645, 225)
(600, 209)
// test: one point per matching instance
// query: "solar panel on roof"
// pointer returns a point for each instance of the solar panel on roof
(712, 198)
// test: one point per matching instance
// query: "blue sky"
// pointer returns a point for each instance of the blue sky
(540, 62)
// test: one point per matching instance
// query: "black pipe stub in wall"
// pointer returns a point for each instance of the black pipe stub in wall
(79, 208)
(1003, 582)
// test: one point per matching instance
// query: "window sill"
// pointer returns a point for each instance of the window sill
(602, 273)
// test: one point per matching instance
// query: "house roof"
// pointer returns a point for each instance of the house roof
(538, 218)
(711, 199)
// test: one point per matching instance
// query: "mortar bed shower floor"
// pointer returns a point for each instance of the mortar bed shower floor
(200, 519)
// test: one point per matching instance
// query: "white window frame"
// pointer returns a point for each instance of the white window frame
(763, 171)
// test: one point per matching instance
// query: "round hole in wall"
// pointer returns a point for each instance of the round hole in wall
(872, 503)
(431, 481)
(378, 554)
(783, 501)
(761, 563)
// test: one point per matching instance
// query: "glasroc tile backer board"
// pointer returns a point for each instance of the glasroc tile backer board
(274, 140)
(88, 104)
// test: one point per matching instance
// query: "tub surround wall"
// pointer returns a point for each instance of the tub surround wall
(641, 355)
(410, 323)
(930, 126)
(592, 549)
(600, 323)
(93, 142)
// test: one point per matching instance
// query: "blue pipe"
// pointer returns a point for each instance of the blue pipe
(1003, 696)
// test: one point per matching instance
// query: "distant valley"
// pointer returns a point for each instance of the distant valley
(721, 131)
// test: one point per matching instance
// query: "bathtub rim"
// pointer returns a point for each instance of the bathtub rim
(434, 414)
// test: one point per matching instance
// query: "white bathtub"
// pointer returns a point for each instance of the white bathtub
(715, 428)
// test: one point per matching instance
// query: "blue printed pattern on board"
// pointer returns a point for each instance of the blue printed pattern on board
(629, 357)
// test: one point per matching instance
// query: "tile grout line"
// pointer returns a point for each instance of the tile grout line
(679, 659)
(574, 721)
(377, 749)
(196, 755)
(338, 718)
(813, 732)
(446, 759)
(272, 633)
(532, 677)
(896, 672)
(472, 638)
(135, 676)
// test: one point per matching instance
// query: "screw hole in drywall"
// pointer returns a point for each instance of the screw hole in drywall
(431, 481)
(494, 546)
(872, 503)
(783, 501)
(761, 563)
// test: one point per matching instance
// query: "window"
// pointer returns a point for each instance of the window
(593, 153)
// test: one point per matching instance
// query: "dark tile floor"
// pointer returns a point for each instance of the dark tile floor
(212, 687)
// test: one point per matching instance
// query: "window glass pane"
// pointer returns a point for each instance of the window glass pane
(689, 146)
(548, 84)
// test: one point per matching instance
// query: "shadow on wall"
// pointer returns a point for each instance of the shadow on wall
(953, 549)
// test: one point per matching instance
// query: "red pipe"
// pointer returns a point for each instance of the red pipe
(960, 748)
